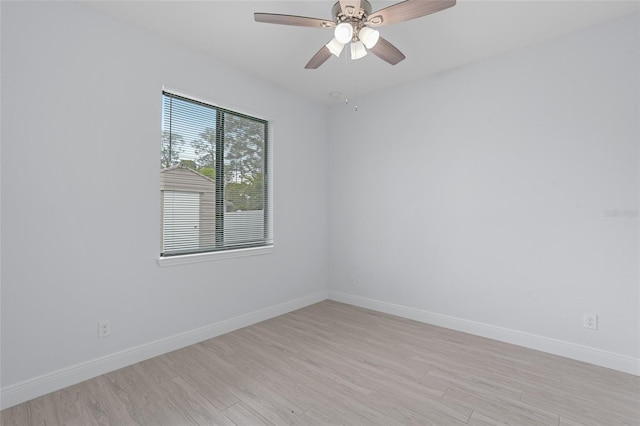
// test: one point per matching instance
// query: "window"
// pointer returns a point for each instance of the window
(213, 178)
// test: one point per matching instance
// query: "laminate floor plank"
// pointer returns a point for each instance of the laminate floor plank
(620, 404)
(15, 416)
(569, 390)
(568, 422)
(43, 411)
(429, 361)
(503, 409)
(104, 407)
(424, 406)
(404, 416)
(573, 409)
(450, 379)
(140, 401)
(335, 364)
(199, 405)
(479, 419)
(312, 417)
(242, 414)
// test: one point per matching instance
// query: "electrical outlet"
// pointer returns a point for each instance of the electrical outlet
(104, 328)
(354, 280)
(590, 321)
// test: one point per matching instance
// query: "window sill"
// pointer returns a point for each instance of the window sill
(214, 256)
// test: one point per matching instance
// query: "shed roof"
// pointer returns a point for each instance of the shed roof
(181, 178)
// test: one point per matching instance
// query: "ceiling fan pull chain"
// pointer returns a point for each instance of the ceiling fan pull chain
(355, 85)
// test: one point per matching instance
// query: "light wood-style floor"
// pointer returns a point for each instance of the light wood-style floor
(332, 363)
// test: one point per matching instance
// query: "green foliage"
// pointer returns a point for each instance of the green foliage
(189, 163)
(244, 149)
(171, 148)
(245, 196)
(205, 148)
(209, 172)
(243, 173)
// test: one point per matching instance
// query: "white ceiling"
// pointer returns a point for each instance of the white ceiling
(470, 31)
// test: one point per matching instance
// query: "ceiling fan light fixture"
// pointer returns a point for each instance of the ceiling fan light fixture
(355, 24)
(335, 47)
(343, 32)
(358, 50)
(369, 36)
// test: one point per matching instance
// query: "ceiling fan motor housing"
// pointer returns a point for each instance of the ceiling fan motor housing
(357, 18)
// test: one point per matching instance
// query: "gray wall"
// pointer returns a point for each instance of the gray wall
(482, 194)
(81, 111)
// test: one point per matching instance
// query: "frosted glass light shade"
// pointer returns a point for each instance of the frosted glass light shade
(369, 36)
(343, 32)
(358, 50)
(335, 47)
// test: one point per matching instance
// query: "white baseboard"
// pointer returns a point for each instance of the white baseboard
(20, 392)
(614, 361)
(32, 388)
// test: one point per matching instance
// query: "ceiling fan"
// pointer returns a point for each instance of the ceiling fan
(354, 24)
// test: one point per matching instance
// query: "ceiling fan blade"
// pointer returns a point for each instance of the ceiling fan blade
(350, 7)
(319, 58)
(407, 10)
(298, 21)
(387, 51)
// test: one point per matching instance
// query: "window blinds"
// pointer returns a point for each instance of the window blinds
(214, 180)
